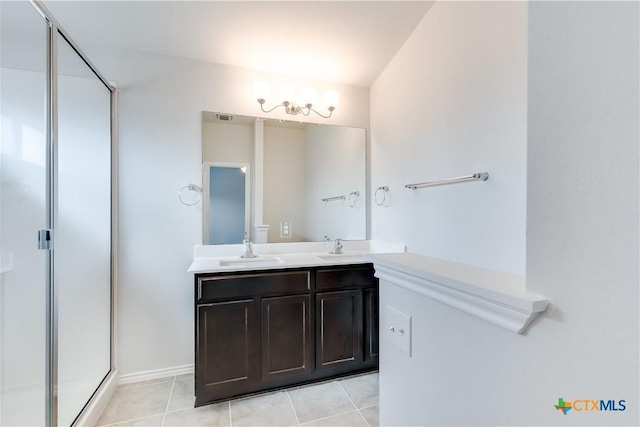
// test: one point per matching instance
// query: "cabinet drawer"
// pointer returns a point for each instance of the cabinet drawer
(345, 277)
(251, 284)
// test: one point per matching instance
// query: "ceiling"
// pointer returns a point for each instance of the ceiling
(347, 42)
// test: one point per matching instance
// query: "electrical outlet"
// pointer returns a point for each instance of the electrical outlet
(285, 229)
(399, 329)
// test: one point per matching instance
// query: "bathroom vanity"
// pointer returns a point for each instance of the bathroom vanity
(262, 329)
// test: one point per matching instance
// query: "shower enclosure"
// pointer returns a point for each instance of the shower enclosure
(56, 179)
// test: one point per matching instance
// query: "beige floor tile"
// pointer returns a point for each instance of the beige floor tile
(372, 415)
(362, 390)
(140, 383)
(182, 395)
(185, 376)
(209, 415)
(155, 421)
(350, 419)
(319, 401)
(272, 409)
(137, 402)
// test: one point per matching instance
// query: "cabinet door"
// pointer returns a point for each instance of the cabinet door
(371, 325)
(225, 354)
(338, 329)
(286, 337)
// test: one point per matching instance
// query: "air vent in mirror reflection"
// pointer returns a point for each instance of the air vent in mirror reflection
(224, 117)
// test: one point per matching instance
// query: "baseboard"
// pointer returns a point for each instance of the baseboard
(155, 374)
(99, 401)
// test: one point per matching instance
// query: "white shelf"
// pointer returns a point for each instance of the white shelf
(497, 297)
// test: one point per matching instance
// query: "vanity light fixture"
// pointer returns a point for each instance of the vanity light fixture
(304, 105)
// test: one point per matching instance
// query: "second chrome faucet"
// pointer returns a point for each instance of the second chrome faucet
(337, 247)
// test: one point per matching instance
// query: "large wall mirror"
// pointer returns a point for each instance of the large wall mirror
(278, 181)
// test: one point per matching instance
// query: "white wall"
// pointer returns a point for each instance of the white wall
(160, 150)
(453, 102)
(582, 215)
(284, 182)
(581, 212)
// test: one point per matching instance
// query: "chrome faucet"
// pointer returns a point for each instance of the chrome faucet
(248, 249)
(337, 247)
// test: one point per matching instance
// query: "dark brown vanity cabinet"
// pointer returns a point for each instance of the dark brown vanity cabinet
(339, 329)
(371, 324)
(286, 339)
(226, 346)
(269, 329)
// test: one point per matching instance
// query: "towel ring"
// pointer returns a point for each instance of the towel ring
(353, 198)
(382, 190)
(190, 187)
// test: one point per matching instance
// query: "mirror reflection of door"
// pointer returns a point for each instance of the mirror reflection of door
(227, 203)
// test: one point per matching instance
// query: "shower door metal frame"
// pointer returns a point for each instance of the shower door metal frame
(51, 381)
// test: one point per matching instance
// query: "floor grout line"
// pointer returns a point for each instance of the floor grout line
(166, 408)
(347, 394)
(330, 416)
(230, 420)
(354, 405)
(367, 407)
(126, 421)
(363, 417)
(293, 407)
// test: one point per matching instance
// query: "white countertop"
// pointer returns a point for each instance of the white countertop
(497, 297)
(454, 274)
(276, 256)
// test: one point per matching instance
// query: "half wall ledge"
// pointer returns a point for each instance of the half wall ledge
(497, 297)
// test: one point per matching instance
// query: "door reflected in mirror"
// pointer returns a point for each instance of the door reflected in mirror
(301, 181)
(227, 202)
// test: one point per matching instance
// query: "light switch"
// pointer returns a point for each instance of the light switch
(285, 229)
(399, 329)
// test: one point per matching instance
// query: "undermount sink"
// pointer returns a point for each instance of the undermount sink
(342, 258)
(248, 262)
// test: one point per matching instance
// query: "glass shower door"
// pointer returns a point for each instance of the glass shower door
(82, 227)
(23, 211)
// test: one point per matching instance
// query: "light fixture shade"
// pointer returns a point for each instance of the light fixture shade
(331, 98)
(286, 93)
(261, 90)
(307, 95)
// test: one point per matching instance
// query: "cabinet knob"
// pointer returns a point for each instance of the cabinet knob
(392, 329)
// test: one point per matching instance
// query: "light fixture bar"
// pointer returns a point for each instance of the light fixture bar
(290, 107)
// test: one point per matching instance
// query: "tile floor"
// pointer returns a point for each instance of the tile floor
(351, 401)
